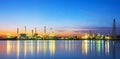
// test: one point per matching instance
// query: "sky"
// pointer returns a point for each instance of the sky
(64, 16)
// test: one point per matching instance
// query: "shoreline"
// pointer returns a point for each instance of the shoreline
(58, 39)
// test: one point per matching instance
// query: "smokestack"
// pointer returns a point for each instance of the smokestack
(32, 32)
(25, 29)
(51, 30)
(35, 30)
(17, 32)
(114, 29)
(44, 29)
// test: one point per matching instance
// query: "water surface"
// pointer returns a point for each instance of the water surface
(59, 49)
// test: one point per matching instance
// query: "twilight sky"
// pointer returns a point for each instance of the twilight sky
(63, 15)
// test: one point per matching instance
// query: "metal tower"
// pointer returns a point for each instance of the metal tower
(44, 29)
(32, 32)
(114, 29)
(25, 29)
(17, 32)
(35, 30)
(51, 30)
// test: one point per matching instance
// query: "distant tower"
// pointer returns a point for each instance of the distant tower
(44, 29)
(25, 29)
(90, 32)
(114, 29)
(52, 32)
(35, 30)
(17, 32)
(44, 34)
(32, 32)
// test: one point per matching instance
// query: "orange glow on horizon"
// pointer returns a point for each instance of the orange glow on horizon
(13, 33)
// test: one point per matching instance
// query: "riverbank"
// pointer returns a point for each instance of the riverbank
(57, 39)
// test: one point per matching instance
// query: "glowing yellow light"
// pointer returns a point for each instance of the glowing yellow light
(107, 47)
(44, 47)
(86, 36)
(52, 47)
(107, 37)
(8, 47)
(31, 47)
(84, 47)
(25, 48)
(52, 34)
(8, 35)
(38, 46)
(18, 49)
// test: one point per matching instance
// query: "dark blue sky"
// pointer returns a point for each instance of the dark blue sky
(64, 15)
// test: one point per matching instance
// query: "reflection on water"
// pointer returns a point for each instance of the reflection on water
(57, 49)
(52, 47)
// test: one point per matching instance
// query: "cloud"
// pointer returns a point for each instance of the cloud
(102, 30)
(77, 29)
(60, 30)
